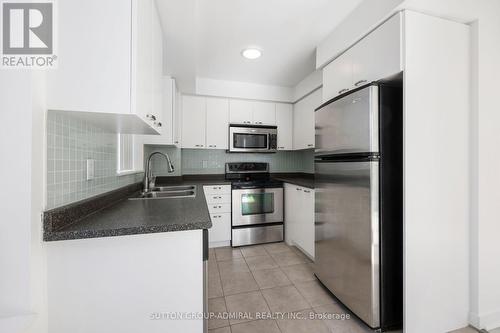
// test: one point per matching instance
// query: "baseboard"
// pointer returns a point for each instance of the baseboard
(219, 244)
(304, 252)
(488, 321)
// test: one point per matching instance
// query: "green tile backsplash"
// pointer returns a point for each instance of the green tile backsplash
(202, 161)
(70, 142)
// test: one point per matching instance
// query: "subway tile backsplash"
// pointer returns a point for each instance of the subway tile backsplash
(70, 142)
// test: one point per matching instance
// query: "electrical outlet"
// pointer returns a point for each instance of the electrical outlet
(90, 169)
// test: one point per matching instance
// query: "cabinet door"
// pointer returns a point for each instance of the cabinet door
(377, 56)
(240, 111)
(167, 119)
(162, 124)
(284, 121)
(291, 214)
(306, 234)
(221, 228)
(264, 113)
(193, 121)
(177, 117)
(142, 60)
(217, 123)
(93, 74)
(303, 121)
(337, 76)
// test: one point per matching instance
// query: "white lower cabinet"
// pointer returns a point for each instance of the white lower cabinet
(218, 199)
(299, 218)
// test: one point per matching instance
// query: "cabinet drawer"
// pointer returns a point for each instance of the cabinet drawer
(219, 208)
(218, 198)
(217, 189)
(221, 228)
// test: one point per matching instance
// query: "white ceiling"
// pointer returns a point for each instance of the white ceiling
(204, 38)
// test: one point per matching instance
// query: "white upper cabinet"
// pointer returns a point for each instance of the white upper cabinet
(263, 113)
(142, 61)
(375, 57)
(193, 121)
(240, 111)
(217, 123)
(337, 76)
(303, 121)
(284, 121)
(252, 112)
(177, 118)
(378, 55)
(168, 108)
(158, 80)
(95, 75)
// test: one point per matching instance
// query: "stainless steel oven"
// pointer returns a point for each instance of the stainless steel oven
(252, 139)
(257, 206)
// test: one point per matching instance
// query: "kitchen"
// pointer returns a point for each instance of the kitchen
(232, 166)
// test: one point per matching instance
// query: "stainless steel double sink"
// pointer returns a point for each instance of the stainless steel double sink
(167, 192)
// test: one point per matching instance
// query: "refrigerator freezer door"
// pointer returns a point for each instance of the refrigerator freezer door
(349, 125)
(347, 234)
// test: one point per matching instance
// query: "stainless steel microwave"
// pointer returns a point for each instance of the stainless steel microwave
(253, 139)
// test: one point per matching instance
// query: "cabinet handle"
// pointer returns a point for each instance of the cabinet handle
(341, 91)
(176, 141)
(258, 122)
(299, 189)
(307, 191)
(360, 82)
(310, 145)
(159, 124)
(281, 147)
(217, 197)
(151, 117)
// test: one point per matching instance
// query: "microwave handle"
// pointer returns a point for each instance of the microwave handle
(272, 140)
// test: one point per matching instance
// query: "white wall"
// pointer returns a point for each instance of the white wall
(485, 163)
(234, 89)
(22, 280)
(38, 276)
(436, 187)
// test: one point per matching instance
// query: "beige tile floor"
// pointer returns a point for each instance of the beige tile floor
(270, 278)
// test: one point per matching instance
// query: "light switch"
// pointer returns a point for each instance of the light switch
(90, 169)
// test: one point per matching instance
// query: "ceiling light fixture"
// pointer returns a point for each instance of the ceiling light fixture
(251, 53)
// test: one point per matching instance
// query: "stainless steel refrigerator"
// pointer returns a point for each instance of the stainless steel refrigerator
(359, 202)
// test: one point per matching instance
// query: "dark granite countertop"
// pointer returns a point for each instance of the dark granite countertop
(112, 214)
(299, 179)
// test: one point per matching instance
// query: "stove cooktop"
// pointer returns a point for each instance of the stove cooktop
(249, 175)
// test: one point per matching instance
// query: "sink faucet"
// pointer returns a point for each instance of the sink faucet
(148, 173)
